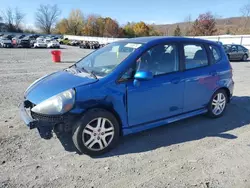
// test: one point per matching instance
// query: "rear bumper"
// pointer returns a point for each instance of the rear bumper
(53, 46)
(24, 45)
(7, 45)
(231, 89)
(41, 46)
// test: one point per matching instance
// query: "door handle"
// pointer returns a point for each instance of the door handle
(175, 80)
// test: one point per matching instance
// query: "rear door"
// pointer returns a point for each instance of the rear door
(198, 76)
(240, 52)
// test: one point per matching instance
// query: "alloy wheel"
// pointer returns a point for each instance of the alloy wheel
(98, 134)
(218, 104)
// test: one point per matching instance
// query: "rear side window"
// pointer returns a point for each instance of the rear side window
(215, 54)
(195, 56)
(241, 48)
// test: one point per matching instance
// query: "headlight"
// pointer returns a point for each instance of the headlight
(56, 105)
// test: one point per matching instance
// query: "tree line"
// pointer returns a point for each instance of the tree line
(95, 25)
(204, 25)
(76, 23)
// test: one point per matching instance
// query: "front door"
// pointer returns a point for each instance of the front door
(162, 96)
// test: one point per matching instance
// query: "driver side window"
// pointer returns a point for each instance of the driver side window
(234, 48)
(159, 60)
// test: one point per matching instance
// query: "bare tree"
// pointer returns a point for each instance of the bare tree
(188, 20)
(18, 18)
(76, 22)
(46, 17)
(245, 10)
(13, 18)
(8, 19)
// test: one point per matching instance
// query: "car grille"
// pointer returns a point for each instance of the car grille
(49, 118)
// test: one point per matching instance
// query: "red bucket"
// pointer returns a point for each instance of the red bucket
(56, 56)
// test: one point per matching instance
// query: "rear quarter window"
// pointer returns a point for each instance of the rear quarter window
(215, 53)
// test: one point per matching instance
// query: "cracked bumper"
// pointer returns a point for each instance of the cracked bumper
(45, 123)
(26, 117)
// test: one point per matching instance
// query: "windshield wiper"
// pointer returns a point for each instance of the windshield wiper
(93, 74)
(87, 71)
(90, 72)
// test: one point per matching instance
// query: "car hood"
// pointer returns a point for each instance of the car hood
(54, 84)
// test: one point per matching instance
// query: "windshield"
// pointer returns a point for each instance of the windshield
(103, 61)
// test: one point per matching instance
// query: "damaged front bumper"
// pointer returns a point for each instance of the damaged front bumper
(26, 117)
(45, 124)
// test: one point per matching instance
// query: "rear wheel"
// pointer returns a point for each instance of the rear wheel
(96, 133)
(217, 104)
(244, 58)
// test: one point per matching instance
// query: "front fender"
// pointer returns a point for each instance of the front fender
(110, 96)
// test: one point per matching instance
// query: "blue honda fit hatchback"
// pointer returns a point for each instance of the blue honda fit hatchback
(127, 87)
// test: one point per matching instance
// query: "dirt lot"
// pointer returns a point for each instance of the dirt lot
(198, 152)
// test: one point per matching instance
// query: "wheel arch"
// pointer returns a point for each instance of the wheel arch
(227, 92)
(111, 110)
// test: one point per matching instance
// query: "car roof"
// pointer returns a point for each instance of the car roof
(232, 45)
(162, 38)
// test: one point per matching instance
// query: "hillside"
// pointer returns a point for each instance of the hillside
(234, 25)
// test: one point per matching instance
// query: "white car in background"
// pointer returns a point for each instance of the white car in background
(47, 40)
(53, 44)
(40, 38)
(5, 42)
(40, 44)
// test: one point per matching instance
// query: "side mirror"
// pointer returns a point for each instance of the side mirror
(143, 75)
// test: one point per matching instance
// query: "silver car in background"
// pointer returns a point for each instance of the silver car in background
(40, 44)
(236, 52)
(53, 44)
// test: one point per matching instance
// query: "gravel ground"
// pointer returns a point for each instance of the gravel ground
(197, 152)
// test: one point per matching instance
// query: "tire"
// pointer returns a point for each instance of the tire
(244, 58)
(88, 138)
(221, 104)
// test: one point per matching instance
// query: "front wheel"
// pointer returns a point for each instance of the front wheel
(217, 104)
(96, 133)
